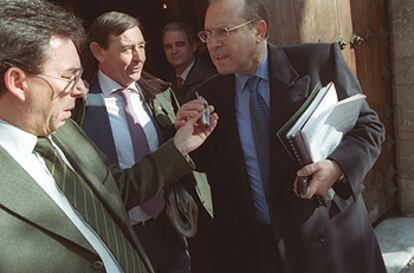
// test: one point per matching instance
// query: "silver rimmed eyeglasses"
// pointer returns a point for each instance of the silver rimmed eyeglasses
(220, 33)
(72, 81)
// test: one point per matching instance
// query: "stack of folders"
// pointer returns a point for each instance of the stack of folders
(314, 131)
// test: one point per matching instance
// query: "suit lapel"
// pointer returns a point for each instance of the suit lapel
(229, 142)
(94, 174)
(288, 91)
(25, 198)
(96, 123)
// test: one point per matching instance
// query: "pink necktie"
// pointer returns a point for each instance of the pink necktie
(153, 206)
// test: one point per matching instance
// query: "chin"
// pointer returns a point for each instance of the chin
(59, 124)
(224, 71)
(172, 62)
(135, 76)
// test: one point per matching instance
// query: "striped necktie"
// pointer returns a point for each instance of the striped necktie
(85, 201)
(259, 112)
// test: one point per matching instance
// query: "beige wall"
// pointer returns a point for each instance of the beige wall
(402, 27)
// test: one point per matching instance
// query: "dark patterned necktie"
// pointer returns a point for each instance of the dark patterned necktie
(259, 113)
(179, 81)
(85, 201)
(154, 205)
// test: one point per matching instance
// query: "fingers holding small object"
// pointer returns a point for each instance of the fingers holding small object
(183, 116)
(207, 109)
(197, 107)
(303, 187)
(300, 186)
(295, 187)
(191, 114)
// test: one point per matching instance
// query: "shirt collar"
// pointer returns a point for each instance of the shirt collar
(109, 86)
(186, 71)
(262, 72)
(13, 138)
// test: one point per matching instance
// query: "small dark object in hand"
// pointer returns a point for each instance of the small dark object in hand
(205, 118)
(302, 185)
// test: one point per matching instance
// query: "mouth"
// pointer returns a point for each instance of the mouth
(65, 115)
(220, 58)
(69, 109)
(136, 69)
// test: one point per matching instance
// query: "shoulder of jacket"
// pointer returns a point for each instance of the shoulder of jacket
(312, 51)
(151, 85)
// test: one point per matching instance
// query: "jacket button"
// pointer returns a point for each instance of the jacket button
(97, 265)
(322, 237)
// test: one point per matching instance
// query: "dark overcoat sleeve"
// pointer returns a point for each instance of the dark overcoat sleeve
(360, 148)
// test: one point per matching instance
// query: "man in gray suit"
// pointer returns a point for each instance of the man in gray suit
(60, 206)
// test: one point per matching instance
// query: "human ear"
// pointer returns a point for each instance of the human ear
(261, 30)
(97, 51)
(15, 82)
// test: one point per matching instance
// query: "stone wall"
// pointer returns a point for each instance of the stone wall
(402, 26)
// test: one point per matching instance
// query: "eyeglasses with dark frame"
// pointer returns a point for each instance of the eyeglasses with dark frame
(220, 33)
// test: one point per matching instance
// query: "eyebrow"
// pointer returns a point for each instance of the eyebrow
(126, 46)
(72, 70)
(129, 44)
(223, 25)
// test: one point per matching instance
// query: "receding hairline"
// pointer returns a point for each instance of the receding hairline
(179, 27)
(238, 9)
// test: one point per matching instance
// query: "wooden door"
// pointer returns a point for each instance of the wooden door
(301, 21)
(373, 65)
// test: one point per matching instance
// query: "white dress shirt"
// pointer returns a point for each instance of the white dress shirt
(115, 104)
(20, 144)
(187, 70)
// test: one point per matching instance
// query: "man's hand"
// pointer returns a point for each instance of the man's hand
(190, 110)
(324, 174)
(190, 134)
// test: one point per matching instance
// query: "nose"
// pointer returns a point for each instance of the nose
(214, 41)
(80, 89)
(138, 55)
(173, 49)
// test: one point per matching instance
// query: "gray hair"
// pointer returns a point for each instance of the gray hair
(26, 27)
(178, 26)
